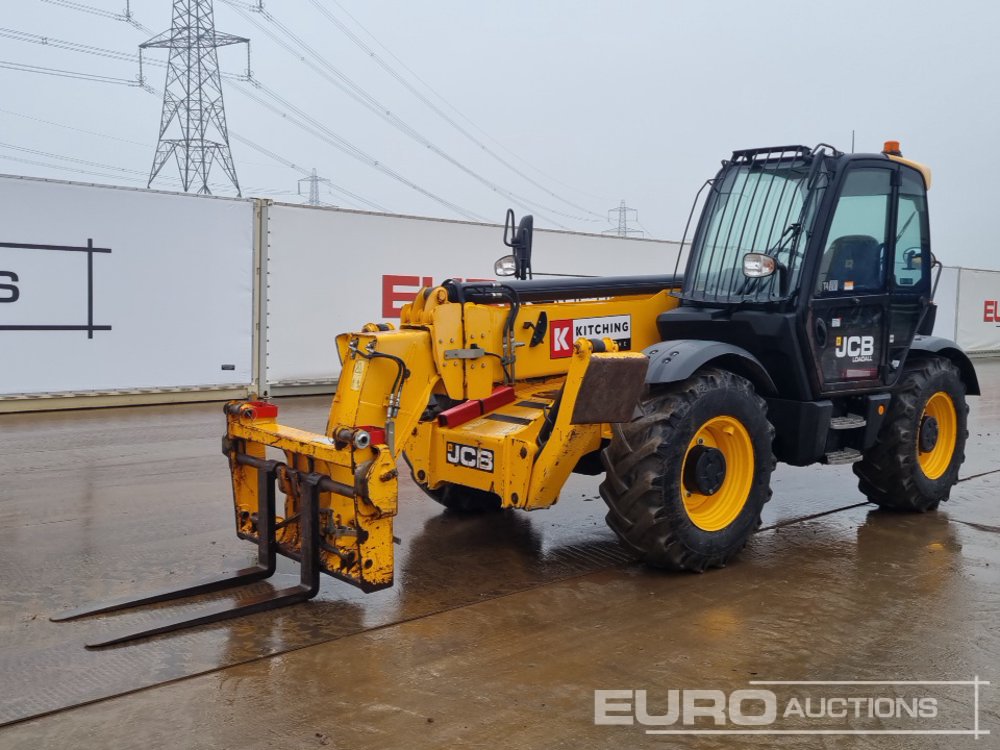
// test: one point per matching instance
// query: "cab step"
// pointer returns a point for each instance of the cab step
(843, 456)
(847, 422)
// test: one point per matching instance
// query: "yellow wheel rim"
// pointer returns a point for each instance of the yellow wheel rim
(718, 510)
(936, 461)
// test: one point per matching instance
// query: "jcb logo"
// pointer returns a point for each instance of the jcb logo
(855, 347)
(470, 456)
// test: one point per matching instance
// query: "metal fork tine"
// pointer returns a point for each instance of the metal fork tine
(306, 589)
(204, 586)
(217, 613)
(266, 562)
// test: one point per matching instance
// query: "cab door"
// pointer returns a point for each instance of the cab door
(849, 314)
(910, 277)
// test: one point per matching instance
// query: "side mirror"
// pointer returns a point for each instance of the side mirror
(758, 265)
(505, 266)
(519, 240)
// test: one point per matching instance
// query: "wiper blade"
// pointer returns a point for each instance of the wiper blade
(790, 234)
(906, 225)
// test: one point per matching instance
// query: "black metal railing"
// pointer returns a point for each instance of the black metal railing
(762, 201)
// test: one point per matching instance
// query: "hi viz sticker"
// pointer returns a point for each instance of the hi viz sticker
(562, 333)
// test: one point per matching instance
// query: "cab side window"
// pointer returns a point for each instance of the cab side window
(855, 256)
(912, 262)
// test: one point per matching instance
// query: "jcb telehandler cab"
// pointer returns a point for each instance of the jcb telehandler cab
(800, 332)
(803, 335)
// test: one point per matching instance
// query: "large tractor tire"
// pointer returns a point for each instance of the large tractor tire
(687, 479)
(921, 444)
(458, 498)
(465, 500)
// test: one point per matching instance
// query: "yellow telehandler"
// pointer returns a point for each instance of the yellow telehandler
(800, 331)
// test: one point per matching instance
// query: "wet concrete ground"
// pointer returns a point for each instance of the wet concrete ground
(499, 628)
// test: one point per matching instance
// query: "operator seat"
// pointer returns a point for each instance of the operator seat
(856, 258)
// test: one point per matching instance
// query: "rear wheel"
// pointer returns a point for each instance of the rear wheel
(686, 480)
(456, 497)
(921, 445)
(460, 499)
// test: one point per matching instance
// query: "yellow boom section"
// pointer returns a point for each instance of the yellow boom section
(498, 398)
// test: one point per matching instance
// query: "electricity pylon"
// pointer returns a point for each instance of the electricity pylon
(193, 111)
(314, 181)
(622, 230)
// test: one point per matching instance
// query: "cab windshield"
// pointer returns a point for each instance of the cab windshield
(761, 205)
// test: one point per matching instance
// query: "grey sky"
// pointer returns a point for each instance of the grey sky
(609, 100)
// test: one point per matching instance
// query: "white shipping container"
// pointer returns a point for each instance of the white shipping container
(165, 299)
(331, 270)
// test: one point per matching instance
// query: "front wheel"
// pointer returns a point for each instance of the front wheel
(687, 480)
(921, 445)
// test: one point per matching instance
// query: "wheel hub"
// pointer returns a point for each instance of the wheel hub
(705, 470)
(928, 434)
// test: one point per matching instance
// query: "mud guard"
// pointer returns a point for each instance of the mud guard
(677, 360)
(946, 348)
(602, 385)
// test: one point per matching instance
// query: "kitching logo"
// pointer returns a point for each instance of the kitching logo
(858, 348)
(564, 333)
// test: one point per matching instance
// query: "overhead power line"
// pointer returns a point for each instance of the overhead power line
(87, 49)
(319, 131)
(316, 128)
(292, 165)
(83, 8)
(75, 170)
(47, 41)
(328, 71)
(382, 63)
(66, 73)
(343, 144)
(258, 6)
(81, 166)
(127, 16)
(643, 228)
(73, 127)
(75, 160)
(349, 196)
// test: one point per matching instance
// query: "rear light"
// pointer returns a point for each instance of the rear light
(376, 435)
(259, 410)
